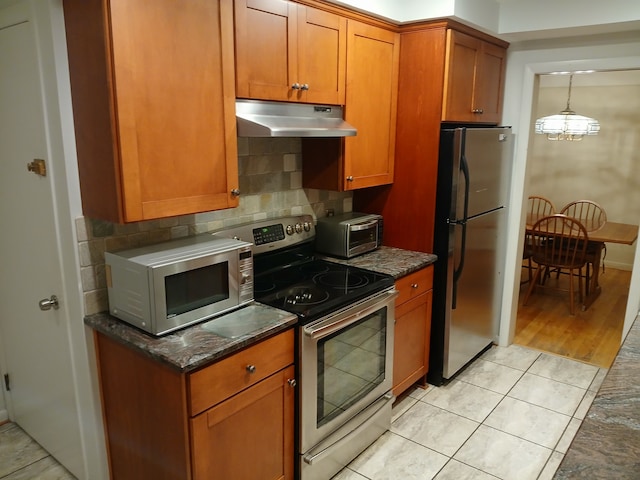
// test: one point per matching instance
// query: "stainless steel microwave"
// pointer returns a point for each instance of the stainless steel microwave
(349, 234)
(163, 287)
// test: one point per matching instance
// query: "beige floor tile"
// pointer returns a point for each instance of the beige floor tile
(535, 424)
(503, 455)
(492, 376)
(393, 457)
(547, 393)
(434, 428)
(514, 356)
(17, 449)
(455, 470)
(464, 399)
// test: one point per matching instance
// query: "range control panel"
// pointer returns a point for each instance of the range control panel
(272, 234)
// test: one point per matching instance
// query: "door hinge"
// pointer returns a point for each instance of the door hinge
(6, 382)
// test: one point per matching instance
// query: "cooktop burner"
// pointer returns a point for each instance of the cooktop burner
(317, 287)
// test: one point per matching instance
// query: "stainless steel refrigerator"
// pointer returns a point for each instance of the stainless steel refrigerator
(474, 170)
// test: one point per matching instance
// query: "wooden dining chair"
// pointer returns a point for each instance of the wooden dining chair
(593, 217)
(558, 242)
(589, 213)
(537, 207)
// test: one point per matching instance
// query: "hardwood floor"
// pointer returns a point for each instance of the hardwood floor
(591, 336)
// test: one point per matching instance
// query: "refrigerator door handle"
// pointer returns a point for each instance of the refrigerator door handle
(464, 166)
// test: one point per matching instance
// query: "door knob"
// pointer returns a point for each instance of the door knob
(49, 303)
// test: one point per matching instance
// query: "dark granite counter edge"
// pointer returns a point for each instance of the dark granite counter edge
(393, 261)
(188, 349)
(607, 444)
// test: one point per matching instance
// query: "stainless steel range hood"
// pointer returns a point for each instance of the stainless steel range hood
(257, 118)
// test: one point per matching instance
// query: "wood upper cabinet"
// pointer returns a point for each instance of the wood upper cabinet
(367, 159)
(440, 78)
(223, 421)
(412, 329)
(289, 52)
(474, 79)
(153, 96)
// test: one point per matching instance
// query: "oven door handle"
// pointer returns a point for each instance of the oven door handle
(342, 319)
(363, 225)
(373, 410)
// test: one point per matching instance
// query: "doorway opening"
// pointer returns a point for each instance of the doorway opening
(599, 168)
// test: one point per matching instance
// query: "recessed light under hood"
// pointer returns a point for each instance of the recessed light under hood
(257, 118)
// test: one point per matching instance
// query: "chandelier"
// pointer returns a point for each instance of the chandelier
(567, 125)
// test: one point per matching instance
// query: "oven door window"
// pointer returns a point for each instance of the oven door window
(362, 237)
(196, 288)
(351, 363)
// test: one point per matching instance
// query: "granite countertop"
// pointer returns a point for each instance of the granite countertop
(390, 260)
(196, 346)
(607, 444)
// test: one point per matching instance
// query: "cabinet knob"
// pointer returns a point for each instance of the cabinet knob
(305, 86)
(414, 285)
(477, 110)
(296, 86)
(350, 178)
(251, 368)
(292, 382)
(235, 192)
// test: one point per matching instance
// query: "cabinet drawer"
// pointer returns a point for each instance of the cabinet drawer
(229, 376)
(414, 284)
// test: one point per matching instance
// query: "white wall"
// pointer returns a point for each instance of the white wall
(523, 63)
(526, 19)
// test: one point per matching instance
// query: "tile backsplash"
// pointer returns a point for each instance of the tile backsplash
(270, 174)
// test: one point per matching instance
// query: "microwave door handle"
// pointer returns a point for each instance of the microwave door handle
(340, 321)
(363, 226)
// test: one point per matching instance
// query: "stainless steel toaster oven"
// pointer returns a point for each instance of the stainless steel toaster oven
(349, 234)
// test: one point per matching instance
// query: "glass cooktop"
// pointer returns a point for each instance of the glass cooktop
(317, 287)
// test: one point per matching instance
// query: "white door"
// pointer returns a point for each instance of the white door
(35, 342)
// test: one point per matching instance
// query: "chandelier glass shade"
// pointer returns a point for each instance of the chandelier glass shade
(567, 125)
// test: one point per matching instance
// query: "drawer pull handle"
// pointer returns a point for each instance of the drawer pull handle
(414, 285)
(292, 382)
(251, 368)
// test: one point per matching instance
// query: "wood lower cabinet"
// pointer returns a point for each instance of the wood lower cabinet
(153, 94)
(474, 79)
(367, 159)
(231, 419)
(412, 329)
(289, 52)
(249, 436)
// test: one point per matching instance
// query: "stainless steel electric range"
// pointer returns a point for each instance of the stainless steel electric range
(344, 341)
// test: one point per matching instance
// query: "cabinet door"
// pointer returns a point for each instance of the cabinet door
(153, 98)
(489, 87)
(371, 103)
(411, 342)
(474, 80)
(249, 436)
(322, 50)
(460, 77)
(266, 34)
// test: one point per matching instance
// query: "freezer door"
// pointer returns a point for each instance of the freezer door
(473, 316)
(488, 153)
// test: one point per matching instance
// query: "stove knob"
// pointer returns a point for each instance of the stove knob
(298, 228)
(306, 226)
(289, 230)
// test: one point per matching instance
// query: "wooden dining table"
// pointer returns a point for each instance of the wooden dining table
(609, 232)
